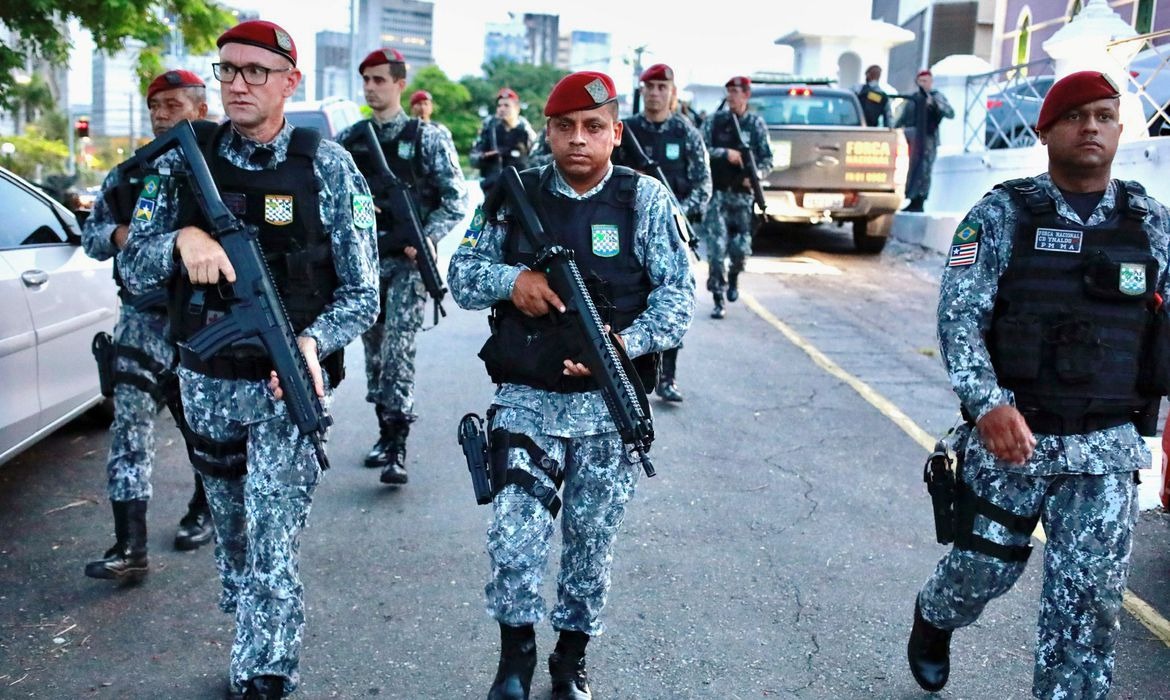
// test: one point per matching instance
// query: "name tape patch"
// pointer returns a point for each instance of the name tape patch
(1058, 240)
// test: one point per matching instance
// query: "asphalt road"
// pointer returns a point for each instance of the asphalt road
(776, 554)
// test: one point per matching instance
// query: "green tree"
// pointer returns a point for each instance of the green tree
(531, 83)
(39, 29)
(31, 150)
(452, 105)
(30, 97)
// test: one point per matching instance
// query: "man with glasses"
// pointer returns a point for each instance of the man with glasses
(141, 352)
(315, 219)
(422, 156)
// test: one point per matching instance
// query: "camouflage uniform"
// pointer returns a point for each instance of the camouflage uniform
(131, 456)
(390, 346)
(573, 428)
(729, 216)
(1081, 486)
(541, 155)
(922, 133)
(258, 518)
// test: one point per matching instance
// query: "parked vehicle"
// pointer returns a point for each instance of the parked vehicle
(828, 166)
(1012, 112)
(56, 299)
(328, 116)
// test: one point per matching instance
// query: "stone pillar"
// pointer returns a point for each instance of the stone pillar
(1081, 45)
(950, 78)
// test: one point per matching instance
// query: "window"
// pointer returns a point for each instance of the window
(1143, 16)
(1023, 48)
(823, 109)
(27, 220)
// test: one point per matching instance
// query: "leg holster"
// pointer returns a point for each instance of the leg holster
(500, 441)
(226, 460)
(968, 504)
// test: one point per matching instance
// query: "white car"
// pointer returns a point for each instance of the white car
(328, 116)
(56, 298)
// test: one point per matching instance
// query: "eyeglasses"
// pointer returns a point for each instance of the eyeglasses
(252, 73)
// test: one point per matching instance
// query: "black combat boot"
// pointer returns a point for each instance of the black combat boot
(929, 653)
(915, 204)
(264, 688)
(718, 312)
(733, 283)
(379, 455)
(395, 471)
(126, 561)
(566, 666)
(196, 528)
(666, 389)
(517, 663)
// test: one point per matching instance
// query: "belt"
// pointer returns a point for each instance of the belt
(226, 366)
(1047, 423)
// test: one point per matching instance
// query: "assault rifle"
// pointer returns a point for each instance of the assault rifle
(607, 361)
(258, 314)
(645, 164)
(749, 164)
(393, 195)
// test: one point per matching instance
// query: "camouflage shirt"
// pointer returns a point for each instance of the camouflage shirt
(479, 278)
(755, 132)
(698, 163)
(967, 296)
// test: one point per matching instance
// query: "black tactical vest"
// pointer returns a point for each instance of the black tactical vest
(512, 145)
(600, 232)
(667, 148)
(1073, 313)
(724, 175)
(873, 104)
(284, 205)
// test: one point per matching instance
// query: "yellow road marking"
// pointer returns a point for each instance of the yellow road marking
(1141, 610)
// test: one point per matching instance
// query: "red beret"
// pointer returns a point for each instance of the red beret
(658, 71)
(923, 72)
(740, 81)
(419, 96)
(173, 80)
(379, 57)
(507, 93)
(576, 91)
(1074, 90)
(266, 35)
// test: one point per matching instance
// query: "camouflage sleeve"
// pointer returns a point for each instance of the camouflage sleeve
(671, 304)
(708, 136)
(477, 274)
(149, 258)
(967, 294)
(344, 133)
(760, 144)
(347, 210)
(442, 167)
(97, 234)
(942, 106)
(1158, 227)
(698, 173)
(530, 132)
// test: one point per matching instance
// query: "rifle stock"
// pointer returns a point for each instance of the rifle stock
(609, 365)
(258, 313)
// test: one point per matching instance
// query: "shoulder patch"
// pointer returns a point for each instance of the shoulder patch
(144, 210)
(363, 211)
(968, 232)
(150, 186)
(471, 237)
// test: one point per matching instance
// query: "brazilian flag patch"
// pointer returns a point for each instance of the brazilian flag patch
(471, 237)
(150, 186)
(968, 232)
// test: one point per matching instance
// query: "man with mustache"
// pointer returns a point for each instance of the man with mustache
(1052, 290)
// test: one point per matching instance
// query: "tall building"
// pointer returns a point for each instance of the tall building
(941, 28)
(406, 25)
(589, 51)
(118, 107)
(506, 39)
(531, 39)
(333, 69)
(543, 38)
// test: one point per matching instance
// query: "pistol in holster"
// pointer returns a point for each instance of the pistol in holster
(940, 476)
(105, 351)
(473, 438)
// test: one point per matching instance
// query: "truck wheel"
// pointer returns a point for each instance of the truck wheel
(870, 235)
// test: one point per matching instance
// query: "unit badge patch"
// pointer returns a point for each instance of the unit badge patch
(363, 211)
(605, 240)
(144, 210)
(1058, 240)
(673, 151)
(405, 150)
(1132, 279)
(278, 209)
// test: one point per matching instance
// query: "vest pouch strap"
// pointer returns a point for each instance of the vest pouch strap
(1120, 280)
(1018, 342)
(1077, 349)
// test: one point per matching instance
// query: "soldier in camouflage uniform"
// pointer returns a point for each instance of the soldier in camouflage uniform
(422, 105)
(505, 140)
(306, 197)
(729, 217)
(557, 427)
(921, 115)
(142, 353)
(1042, 273)
(423, 156)
(676, 146)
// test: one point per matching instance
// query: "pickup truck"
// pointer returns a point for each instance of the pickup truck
(828, 166)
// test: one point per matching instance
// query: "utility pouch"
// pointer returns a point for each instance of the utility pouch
(1154, 372)
(474, 441)
(1078, 351)
(939, 475)
(1119, 280)
(105, 352)
(1018, 344)
(521, 353)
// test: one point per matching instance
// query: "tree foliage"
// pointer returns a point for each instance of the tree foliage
(32, 150)
(452, 104)
(531, 83)
(40, 28)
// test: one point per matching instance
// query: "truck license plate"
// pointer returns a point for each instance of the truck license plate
(824, 200)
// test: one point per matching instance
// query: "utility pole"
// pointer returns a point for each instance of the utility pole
(353, 6)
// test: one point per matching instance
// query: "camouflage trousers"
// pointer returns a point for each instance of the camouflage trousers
(131, 457)
(258, 521)
(728, 229)
(390, 346)
(918, 180)
(599, 481)
(1088, 520)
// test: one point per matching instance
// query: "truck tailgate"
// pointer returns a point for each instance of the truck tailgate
(832, 159)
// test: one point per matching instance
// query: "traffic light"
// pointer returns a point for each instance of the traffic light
(81, 126)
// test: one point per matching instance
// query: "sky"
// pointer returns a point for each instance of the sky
(704, 46)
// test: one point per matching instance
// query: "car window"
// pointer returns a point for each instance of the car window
(312, 120)
(26, 220)
(822, 110)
